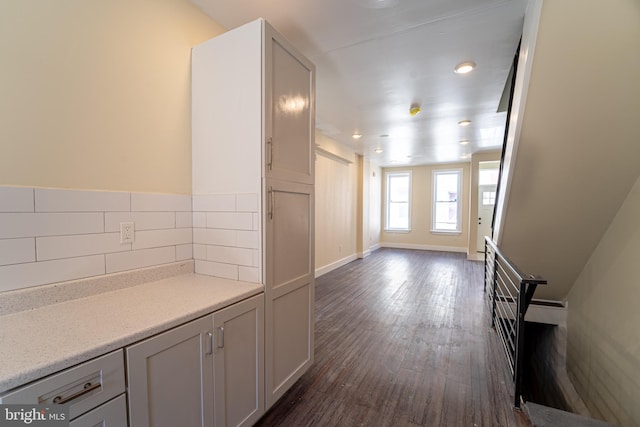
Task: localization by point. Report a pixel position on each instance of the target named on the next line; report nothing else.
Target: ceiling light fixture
(465, 67)
(414, 110)
(464, 142)
(356, 136)
(464, 123)
(378, 150)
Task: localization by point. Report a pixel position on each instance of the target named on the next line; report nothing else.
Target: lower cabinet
(239, 363)
(204, 373)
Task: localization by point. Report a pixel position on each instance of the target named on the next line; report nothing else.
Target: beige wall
(96, 94)
(578, 149)
(336, 214)
(420, 236)
(603, 348)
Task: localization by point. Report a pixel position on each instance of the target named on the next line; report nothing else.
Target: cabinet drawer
(82, 387)
(111, 414)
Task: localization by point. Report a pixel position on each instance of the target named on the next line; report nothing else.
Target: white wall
(578, 148)
(97, 94)
(336, 215)
(603, 338)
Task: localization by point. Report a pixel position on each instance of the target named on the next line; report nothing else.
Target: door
(487, 184)
(170, 377)
(486, 202)
(239, 363)
(289, 286)
(289, 111)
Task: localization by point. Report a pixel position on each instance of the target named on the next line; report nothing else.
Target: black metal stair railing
(509, 293)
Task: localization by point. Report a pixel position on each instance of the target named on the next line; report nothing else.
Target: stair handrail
(501, 273)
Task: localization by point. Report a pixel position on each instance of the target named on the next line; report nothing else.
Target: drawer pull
(86, 389)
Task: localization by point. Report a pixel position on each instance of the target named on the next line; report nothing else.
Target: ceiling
(375, 58)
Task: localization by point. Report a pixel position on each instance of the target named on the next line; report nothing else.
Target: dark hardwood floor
(403, 338)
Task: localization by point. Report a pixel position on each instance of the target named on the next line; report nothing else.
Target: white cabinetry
(85, 388)
(253, 132)
(204, 373)
(170, 377)
(239, 363)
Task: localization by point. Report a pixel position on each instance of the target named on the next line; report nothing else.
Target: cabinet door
(289, 287)
(239, 363)
(171, 377)
(289, 111)
(111, 414)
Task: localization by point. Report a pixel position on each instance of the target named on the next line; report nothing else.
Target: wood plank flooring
(403, 338)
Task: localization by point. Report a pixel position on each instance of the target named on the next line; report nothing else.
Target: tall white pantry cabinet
(253, 109)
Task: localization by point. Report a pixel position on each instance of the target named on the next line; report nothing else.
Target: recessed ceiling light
(356, 136)
(378, 150)
(465, 156)
(464, 122)
(465, 67)
(464, 141)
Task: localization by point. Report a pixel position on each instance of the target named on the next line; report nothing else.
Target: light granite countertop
(38, 342)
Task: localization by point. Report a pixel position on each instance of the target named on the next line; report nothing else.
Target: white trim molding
(337, 264)
(423, 247)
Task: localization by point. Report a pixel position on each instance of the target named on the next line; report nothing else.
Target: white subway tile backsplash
(248, 239)
(48, 248)
(17, 251)
(142, 220)
(199, 251)
(48, 200)
(208, 236)
(184, 252)
(130, 260)
(184, 220)
(52, 235)
(229, 255)
(16, 199)
(247, 203)
(214, 203)
(19, 276)
(13, 225)
(230, 220)
(216, 269)
(160, 202)
(249, 274)
(158, 238)
(200, 219)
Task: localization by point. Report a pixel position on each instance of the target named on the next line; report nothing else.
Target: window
(488, 198)
(446, 201)
(397, 203)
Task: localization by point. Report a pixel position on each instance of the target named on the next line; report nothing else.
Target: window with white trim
(447, 191)
(397, 212)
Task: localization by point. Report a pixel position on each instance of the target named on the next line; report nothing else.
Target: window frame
(387, 201)
(436, 172)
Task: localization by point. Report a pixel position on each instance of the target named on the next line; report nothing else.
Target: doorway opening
(487, 186)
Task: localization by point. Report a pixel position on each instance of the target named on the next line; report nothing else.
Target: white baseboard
(478, 256)
(374, 247)
(364, 254)
(423, 247)
(337, 264)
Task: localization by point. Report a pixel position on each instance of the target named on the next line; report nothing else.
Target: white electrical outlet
(126, 232)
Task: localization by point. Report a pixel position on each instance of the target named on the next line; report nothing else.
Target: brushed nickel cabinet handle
(221, 337)
(86, 389)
